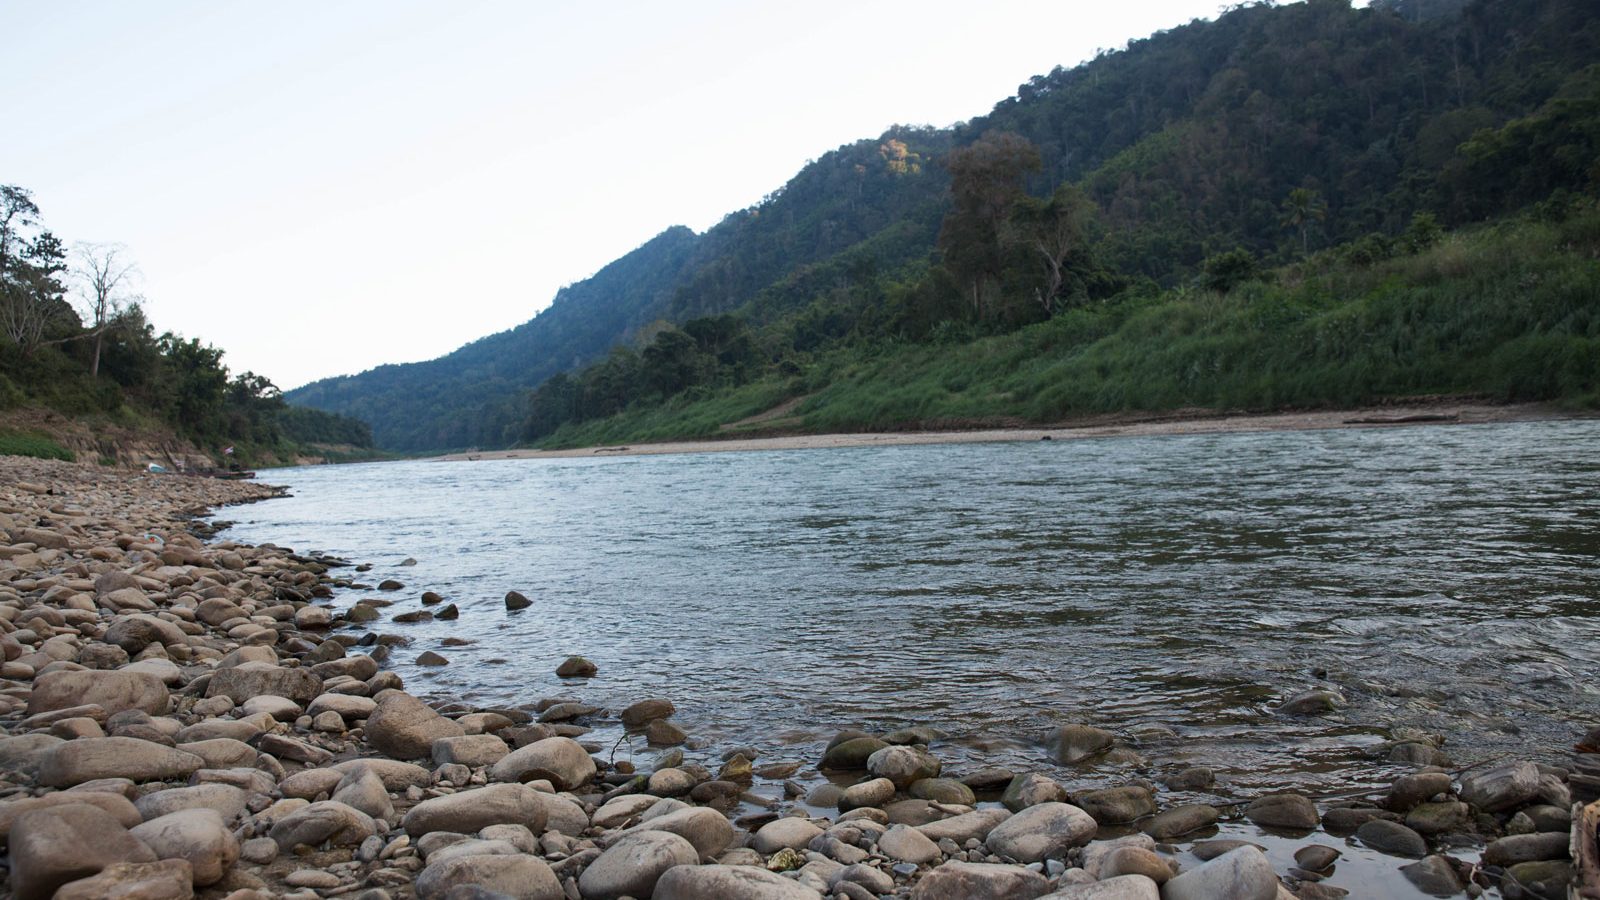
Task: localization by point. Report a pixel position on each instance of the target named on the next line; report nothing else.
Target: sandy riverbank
(1190, 421)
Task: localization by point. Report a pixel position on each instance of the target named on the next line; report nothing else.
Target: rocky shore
(183, 718)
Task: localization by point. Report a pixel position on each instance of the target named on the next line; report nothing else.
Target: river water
(1172, 589)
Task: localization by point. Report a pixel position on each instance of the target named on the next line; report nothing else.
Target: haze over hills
(1256, 140)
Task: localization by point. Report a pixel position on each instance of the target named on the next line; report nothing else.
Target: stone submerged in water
(1072, 744)
(576, 667)
(641, 713)
(1181, 820)
(1392, 838)
(1287, 811)
(515, 600)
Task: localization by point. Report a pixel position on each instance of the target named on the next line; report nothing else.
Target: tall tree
(1050, 232)
(1302, 207)
(104, 276)
(32, 296)
(986, 180)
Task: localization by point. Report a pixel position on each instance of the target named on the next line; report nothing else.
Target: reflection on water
(1440, 577)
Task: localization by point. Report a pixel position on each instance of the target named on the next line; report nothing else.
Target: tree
(1050, 232)
(986, 180)
(32, 297)
(17, 212)
(1302, 207)
(103, 277)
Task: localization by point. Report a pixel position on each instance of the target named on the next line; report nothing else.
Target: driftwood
(1585, 853)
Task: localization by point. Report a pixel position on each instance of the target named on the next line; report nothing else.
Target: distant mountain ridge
(1187, 142)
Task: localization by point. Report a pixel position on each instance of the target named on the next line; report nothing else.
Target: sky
(321, 187)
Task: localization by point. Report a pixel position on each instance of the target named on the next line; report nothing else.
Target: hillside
(84, 373)
(1261, 138)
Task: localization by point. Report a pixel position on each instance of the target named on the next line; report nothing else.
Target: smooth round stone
(789, 832)
(632, 866)
(906, 844)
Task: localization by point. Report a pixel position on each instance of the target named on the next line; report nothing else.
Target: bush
(27, 443)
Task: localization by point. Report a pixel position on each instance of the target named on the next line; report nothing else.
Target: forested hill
(1253, 140)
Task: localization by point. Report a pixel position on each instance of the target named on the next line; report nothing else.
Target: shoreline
(207, 703)
(1180, 422)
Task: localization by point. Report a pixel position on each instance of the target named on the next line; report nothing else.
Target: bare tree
(103, 275)
(1051, 231)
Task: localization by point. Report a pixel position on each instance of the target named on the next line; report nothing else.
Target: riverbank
(1120, 425)
(222, 708)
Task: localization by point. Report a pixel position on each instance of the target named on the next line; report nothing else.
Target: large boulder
(395, 775)
(1031, 789)
(115, 804)
(470, 750)
(646, 711)
(514, 877)
(404, 727)
(225, 799)
(980, 881)
(1043, 831)
(631, 866)
(51, 847)
(903, 765)
(136, 632)
(707, 830)
(468, 812)
(113, 690)
(1292, 812)
(1116, 806)
(168, 879)
(561, 760)
(1502, 787)
(88, 759)
(1243, 873)
(729, 883)
(906, 844)
(197, 835)
(789, 832)
(241, 682)
(1120, 887)
(23, 752)
(327, 820)
(975, 825)
(362, 789)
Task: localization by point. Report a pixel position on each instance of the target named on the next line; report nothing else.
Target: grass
(28, 443)
(1509, 312)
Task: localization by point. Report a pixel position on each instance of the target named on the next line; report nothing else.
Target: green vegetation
(26, 443)
(103, 361)
(1506, 312)
(1097, 242)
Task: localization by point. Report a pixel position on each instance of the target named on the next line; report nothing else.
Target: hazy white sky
(322, 187)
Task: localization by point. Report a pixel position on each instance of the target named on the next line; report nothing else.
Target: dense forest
(74, 339)
(1287, 205)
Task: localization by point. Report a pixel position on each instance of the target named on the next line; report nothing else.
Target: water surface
(1178, 588)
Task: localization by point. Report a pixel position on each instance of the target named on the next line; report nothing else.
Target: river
(1172, 589)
